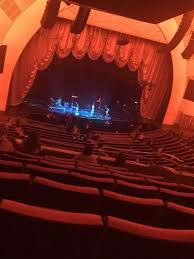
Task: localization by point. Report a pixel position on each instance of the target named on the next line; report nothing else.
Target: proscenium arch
(22, 31)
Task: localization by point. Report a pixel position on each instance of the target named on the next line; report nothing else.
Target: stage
(99, 119)
(93, 110)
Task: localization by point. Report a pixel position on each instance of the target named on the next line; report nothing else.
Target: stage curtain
(154, 68)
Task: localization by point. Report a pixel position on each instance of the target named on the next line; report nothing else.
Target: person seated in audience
(75, 132)
(18, 129)
(120, 160)
(95, 139)
(140, 136)
(151, 143)
(160, 149)
(5, 144)
(8, 124)
(32, 144)
(50, 116)
(100, 148)
(86, 155)
(134, 134)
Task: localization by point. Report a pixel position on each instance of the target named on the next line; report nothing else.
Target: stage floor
(82, 113)
(101, 120)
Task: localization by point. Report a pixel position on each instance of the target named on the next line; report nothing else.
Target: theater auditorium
(97, 129)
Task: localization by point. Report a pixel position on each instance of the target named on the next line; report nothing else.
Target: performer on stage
(92, 110)
(107, 116)
(52, 102)
(65, 106)
(76, 109)
(58, 103)
(74, 99)
(98, 104)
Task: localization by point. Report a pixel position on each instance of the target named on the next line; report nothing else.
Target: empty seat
(91, 181)
(56, 164)
(34, 232)
(10, 166)
(127, 239)
(128, 178)
(182, 198)
(46, 172)
(15, 186)
(168, 185)
(137, 190)
(152, 212)
(91, 171)
(145, 211)
(51, 194)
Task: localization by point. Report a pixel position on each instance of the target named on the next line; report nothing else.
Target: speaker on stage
(80, 21)
(2, 57)
(50, 14)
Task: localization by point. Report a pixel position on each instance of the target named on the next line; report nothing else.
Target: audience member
(32, 144)
(75, 132)
(86, 155)
(18, 129)
(5, 144)
(8, 124)
(135, 134)
(120, 160)
(160, 149)
(95, 139)
(100, 148)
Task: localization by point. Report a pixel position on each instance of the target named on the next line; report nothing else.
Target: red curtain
(154, 68)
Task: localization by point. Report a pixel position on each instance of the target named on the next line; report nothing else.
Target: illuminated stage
(102, 118)
(94, 111)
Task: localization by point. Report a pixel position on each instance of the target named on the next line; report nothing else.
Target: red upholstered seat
(127, 239)
(168, 185)
(152, 212)
(51, 194)
(34, 232)
(137, 190)
(9, 165)
(86, 180)
(182, 198)
(156, 177)
(133, 179)
(56, 165)
(93, 171)
(15, 186)
(50, 173)
(186, 188)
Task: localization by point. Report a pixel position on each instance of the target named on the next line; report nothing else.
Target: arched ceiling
(10, 10)
(151, 11)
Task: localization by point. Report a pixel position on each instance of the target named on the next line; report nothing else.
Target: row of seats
(18, 185)
(172, 143)
(29, 163)
(35, 232)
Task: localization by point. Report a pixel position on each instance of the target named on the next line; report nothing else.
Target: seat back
(34, 232)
